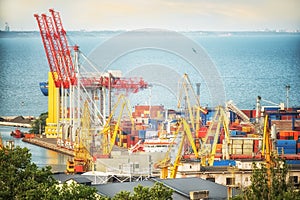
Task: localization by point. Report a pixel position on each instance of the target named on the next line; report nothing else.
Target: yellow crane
(83, 160)
(189, 92)
(267, 148)
(186, 135)
(214, 129)
(109, 132)
(206, 154)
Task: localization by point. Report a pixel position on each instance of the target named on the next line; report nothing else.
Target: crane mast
(61, 34)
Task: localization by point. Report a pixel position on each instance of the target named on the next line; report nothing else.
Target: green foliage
(21, 179)
(279, 188)
(156, 192)
(38, 125)
(72, 191)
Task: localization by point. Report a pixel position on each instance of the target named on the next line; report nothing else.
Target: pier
(49, 143)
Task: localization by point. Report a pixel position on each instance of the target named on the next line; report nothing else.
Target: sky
(177, 15)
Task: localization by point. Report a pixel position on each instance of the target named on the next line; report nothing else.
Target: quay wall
(49, 143)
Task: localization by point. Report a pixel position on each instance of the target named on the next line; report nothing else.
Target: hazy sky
(166, 14)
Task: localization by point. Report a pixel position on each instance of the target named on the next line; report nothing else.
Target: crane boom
(185, 87)
(69, 67)
(235, 109)
(165, 163)
(107, 144)
(49, 50)
(218, 120)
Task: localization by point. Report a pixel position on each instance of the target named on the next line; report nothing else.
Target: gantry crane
(267, 148)
(71, 90)
(64, 103)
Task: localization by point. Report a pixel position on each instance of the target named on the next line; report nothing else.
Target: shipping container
(246, 129)
(237, 133)
(142, 134)
(224, 163)
(286, 143)
(237, 142)
(247, 151)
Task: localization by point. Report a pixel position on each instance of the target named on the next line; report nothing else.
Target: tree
(273, 186)
(156, 192)
(21, 179)
(38, 125)
(72, 191)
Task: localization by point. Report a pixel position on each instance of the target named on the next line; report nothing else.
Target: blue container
(293, 162)
(289, 151)
(233, 133)
(237, 133)
(289, 144)
(153, 124)
(142, 134)
(224, 163)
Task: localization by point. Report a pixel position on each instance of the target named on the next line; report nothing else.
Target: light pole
(287, 87)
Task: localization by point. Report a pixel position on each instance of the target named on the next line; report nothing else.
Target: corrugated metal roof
(61, 177)
(185, 185)
(111, 189)
(181, 187)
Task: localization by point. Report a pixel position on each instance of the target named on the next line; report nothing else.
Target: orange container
(284, 135)
(29, 135)
(219, 148)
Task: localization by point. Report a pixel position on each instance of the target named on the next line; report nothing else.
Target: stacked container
(286, 146)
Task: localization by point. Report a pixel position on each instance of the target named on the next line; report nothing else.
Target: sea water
(249, 64)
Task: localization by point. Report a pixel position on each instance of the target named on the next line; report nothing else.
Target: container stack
(241, 147)
(288, 142)
(286, 146)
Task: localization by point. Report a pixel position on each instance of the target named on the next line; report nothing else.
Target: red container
(255, 146)
(202, 132)
(296, 135)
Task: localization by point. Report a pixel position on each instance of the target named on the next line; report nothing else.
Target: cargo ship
(44, 88)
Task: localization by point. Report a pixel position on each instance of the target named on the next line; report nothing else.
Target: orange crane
(50, 47)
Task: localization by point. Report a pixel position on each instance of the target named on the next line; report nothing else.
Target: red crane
(49, 50)
(60, 60)
(70, 68)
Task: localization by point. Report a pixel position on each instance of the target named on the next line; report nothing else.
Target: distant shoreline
(202, 32)
(16, 121)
